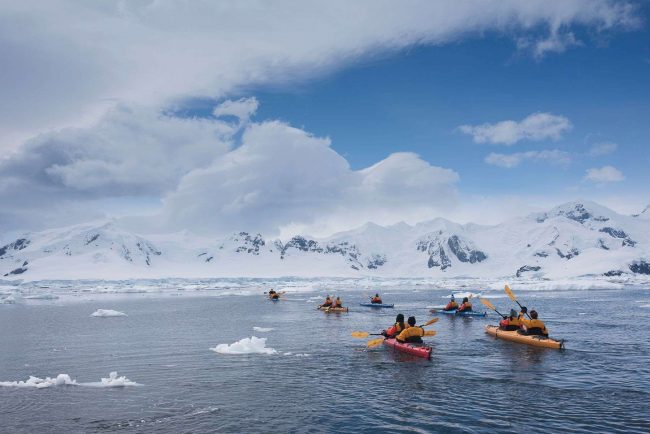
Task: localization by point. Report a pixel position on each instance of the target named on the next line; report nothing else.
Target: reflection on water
(473, 382)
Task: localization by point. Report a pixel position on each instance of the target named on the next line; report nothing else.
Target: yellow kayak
(333, 309)
(514, 336)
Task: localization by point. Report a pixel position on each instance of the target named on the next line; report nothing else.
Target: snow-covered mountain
(572, 240)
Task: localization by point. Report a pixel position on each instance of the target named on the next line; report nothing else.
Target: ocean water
(320, 379)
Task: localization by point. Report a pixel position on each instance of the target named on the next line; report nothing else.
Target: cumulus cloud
(131, 151)
(281, 175)
(509, 161)
(605, 174)
(600, 149)
(79, 57)
(537, 126)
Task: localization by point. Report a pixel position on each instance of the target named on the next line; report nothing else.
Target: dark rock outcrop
(640, 267)
(526, 268)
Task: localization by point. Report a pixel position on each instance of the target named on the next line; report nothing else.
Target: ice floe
(263, 329)
(64, 380)
(105, 313)
(252, 345)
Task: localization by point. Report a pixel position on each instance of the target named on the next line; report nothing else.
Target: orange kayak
(514, 336)
(333, 309)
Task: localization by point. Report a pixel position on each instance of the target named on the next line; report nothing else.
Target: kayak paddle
(487, 303)
(364, 334)
(513, 298)
(373, 343)
(430, 322)
(430, 333)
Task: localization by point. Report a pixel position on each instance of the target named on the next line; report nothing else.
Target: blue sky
(289, 117)
(414, 101)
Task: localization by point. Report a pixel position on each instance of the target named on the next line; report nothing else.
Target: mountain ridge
(574, 239)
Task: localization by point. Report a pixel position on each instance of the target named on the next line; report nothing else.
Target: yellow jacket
(410, 332)
(535, 323)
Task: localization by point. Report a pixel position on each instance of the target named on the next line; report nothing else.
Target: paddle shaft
(520, 306)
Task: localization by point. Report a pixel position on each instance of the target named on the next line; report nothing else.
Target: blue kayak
(455, 313)
(376, 305)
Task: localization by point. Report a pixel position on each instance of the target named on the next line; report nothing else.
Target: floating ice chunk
(263, 329)
(40, 383)
(644, 305)
(105, 313)
(64, 379)
(297, 354)
(112, 381)
(252, 345)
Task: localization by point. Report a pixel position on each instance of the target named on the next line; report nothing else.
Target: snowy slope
(572, 240)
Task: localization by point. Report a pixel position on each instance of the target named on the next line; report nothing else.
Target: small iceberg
(263, 329)
(64, 380)
(105, 313)
(40, 383)
(112, 381)
(252, 345)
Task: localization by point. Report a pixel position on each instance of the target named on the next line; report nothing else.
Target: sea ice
(104, 313)
(263, 329)
(252, 345)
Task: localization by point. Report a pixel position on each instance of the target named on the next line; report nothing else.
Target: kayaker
(273, 295)
(534, 326)
(412, 334)
(452, 305)
(328, 302)
(376, 299)
(337, 303)
(396, 329)
(466, 306)
(511, 322)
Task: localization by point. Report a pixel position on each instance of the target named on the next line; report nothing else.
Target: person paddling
(466, 306)
(396, 328)
(273, 295)
(511, 322)
(337, 303)
(327, 303)
(376, 299)
(452, 305)
(412, 334)
(534, 326)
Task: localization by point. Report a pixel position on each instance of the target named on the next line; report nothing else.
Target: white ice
(112, 381)
(263, 329)
(252, 345)
(104, 313)
(64, 379)
(40, 383)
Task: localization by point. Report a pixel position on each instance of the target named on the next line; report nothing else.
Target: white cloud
(605, 174)
(282, 176)
(509, 161)
(555, 42)
(537, 126)
(78, 57)
(600, 149)
(242, 109)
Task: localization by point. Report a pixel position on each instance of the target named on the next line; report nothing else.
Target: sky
(315, 117)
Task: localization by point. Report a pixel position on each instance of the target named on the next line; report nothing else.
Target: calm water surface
(473, 383)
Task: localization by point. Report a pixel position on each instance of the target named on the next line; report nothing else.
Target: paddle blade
(373, 343)
(360, 334)
(429, 333)
(510, 294)
(487, 303)
(431, 322)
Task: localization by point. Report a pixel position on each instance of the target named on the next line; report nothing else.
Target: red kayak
(413, 349)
